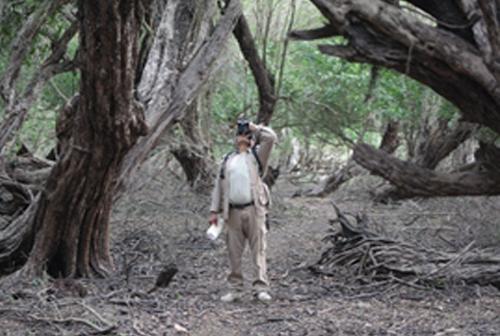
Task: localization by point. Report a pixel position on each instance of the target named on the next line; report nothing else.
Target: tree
(450, 46)
(102, 132)
(172, 76)
(73, 213)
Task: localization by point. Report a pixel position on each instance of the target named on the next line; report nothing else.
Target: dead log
(415, 181)
(369, 256)
(437, 142)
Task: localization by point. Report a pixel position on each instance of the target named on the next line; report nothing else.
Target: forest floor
(163, 223)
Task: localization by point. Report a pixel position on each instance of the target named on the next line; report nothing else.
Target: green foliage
(39, 127)
(325, 103)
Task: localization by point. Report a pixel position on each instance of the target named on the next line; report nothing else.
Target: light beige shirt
(240, 190)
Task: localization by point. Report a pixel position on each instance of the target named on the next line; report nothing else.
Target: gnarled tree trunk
(72, 217)
(100, 131)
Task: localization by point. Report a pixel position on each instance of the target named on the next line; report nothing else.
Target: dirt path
(153, 228)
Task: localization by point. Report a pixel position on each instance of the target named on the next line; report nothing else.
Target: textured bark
(413, 180)
(98, 130)
(192, 152)
(458, 69)
(72, 218)
(166, 90)
(389, 144)
(264, 79)
(436, 145)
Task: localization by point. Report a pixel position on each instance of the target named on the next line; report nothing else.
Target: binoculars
(243, 126)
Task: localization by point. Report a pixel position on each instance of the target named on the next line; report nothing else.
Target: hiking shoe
(230, 297)
(264, 297)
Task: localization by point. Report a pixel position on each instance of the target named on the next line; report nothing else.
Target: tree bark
(435, 145)
(98, 132)
(264, 79)
(72, 218)
(192, 152)
(166, 91)
(482, 179)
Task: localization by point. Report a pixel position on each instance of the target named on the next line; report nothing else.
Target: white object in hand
(214, 230)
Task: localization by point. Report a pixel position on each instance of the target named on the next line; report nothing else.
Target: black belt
(240, 206)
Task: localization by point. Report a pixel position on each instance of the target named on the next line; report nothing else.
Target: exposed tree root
(369, 256)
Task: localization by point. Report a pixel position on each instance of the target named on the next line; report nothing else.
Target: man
(243, 200)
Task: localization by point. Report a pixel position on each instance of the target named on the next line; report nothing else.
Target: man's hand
(213, 218)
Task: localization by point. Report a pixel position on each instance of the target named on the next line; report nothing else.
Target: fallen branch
(367, 256)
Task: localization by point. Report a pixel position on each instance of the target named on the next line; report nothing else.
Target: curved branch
(383, 34)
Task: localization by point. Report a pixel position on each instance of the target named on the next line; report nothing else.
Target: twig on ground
(70, 320)
(452, 261)
(96, 314)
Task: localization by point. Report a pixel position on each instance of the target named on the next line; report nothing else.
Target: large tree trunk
(174, 75)
(72, 218)
(105, 123)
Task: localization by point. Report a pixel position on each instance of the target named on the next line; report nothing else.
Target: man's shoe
(264, 297)
(230, 297)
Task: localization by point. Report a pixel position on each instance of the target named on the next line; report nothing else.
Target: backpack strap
(221, 173)
(254, 151)
(223, 165)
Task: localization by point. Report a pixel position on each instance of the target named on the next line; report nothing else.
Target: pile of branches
(368, 256)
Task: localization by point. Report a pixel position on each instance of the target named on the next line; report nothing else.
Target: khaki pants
(242, 225)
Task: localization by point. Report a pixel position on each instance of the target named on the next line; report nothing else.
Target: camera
(243, 126)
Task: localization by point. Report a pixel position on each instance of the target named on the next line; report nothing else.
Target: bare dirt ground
(163, 223)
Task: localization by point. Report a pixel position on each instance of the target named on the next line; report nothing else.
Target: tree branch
(489, 11)
(382, 34)
(186, 86)
(416, 181)
(264, 79)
